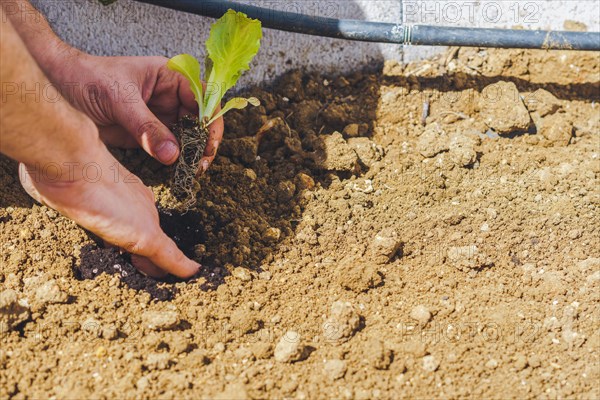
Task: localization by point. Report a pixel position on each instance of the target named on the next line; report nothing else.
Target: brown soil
(443, 244)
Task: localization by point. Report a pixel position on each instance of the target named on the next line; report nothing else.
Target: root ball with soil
(192, 137)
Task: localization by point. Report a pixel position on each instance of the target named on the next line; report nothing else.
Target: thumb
(152, 135)
(166, 256)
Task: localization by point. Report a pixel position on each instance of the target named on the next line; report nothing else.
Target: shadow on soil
(252, 196)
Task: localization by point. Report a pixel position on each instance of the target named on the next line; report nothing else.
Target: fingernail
(166, 152)
(197, 272)
(205, 164)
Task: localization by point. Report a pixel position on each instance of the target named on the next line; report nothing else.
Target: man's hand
(133, 100)
(52, 136)
(117, 207)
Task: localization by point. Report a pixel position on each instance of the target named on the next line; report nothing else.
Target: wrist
(62, 64)
(68, 160)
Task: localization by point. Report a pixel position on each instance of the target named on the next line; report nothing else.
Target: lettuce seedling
(233, 42)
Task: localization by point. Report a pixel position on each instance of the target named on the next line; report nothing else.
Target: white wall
(132, 28)
(528, 14)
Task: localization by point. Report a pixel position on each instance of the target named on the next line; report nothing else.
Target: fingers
(149, 132)
(27, 182)
(141, 263)
(146, 267)
(160, 258)
(167, 256)
(215, 136)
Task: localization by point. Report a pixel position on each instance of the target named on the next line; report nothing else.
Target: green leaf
(208, 66)
(233, 42)
(189, 67)
(236, 102)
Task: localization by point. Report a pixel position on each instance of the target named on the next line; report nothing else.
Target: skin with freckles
(120, 101)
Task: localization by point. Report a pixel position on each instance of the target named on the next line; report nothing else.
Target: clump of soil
(192, 142)
(433, 247)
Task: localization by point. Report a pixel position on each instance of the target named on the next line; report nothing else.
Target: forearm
(35, 127)
(49, 51)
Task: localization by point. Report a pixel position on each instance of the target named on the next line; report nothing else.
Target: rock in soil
(556, 129)
(351, 130)
(335, 369)
(385, 245)
(158, 361)
(467, 257)
(433, 141)
(421, 314)
(542, 102)
(368, 152)
(503, 110)
(337, 155)
(50, 293)
(430, 363)
(290, 348)
(262, 350)
(462, 149)
(160, 320)
(342, 323)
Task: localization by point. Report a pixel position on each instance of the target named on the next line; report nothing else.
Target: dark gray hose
(393, 33)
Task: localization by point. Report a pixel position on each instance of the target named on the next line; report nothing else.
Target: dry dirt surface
(425, 231)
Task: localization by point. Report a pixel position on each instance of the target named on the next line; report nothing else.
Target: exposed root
(192, 141)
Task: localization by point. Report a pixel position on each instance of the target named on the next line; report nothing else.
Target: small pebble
(158, 361)
(304, 181)
(290, 348)
(250, 174)
(420, 313)
(110, 333)
(160, 320)
(262, 350)
(142, 383)
(430, 364)
(520, 362)
(272, 234)
(101, 352)
(534, 361)
(242, 274)
(385, 245)
(50, 293)
(342, 323)
(335, 369)
(265, 275)
(377, 355)
(351, 130)
(219, 347)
